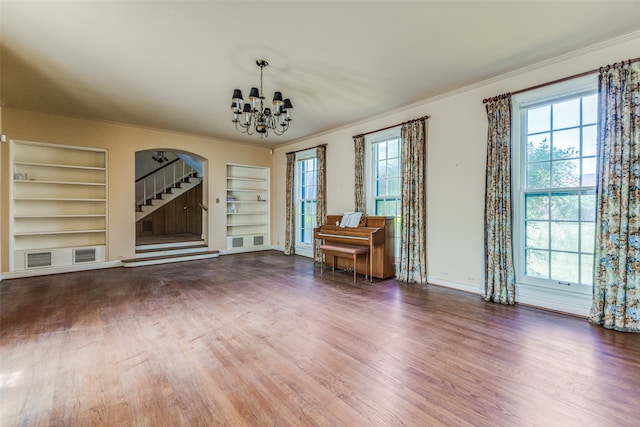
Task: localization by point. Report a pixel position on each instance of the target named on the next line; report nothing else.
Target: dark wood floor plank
(263, 339)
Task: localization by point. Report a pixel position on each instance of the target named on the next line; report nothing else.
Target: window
(384, 174)
(306, 178)
(555, 178)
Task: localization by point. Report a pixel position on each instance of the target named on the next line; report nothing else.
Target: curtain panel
(616, 292)
(290, 226)
(498, 221)
(321, 193)
(360, 204)
(413, 242)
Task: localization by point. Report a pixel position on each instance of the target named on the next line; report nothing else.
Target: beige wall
(122, 142)
(455, 166)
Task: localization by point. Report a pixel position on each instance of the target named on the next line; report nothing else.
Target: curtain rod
(564, 79)
(392, 126)
(305, 149)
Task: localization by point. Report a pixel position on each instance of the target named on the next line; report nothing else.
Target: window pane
(538, 175)
(393, 167)
(588, 207)
(566, 114)
(537, 263)
(586, 269)
(394, 186)
(590, 109)
(381, 187)
(589, 140)
(382, 170)
(538, 119)
(381, 149)
(589, 172)
(305, 184)
(564, 236)
(393, 148)
(566, 144)
(564, 267)
(536, 206)
(566, 173)
(587, 237)
(537, 234)
(538, 147)
(308, 236)
(564, 206)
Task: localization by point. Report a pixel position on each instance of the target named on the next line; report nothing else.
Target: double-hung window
(306, 179)
(383, 160)
(555, 149)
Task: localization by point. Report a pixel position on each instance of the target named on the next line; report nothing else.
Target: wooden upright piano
(376, 232)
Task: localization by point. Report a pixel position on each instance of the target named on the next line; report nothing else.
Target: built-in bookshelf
(59, 205)
(247, 207)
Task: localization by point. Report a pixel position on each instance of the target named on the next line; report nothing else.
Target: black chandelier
(250, 119)
(160, 157)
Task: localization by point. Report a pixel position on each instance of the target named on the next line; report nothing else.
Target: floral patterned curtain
(360, 205)
(498, 250)
(290, 230)
(616, 291)
(321, 194)
(413, 242)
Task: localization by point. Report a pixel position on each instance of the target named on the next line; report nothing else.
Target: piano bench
(345, 251)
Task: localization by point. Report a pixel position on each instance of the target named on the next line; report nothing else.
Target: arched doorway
(170, 201)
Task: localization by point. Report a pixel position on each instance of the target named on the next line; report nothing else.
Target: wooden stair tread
(171, 256)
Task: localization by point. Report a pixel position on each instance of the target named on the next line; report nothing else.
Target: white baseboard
(58, 270)
(466, 287)
(246, 249)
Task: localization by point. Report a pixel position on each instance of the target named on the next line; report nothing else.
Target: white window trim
(571, 299)
(303, 249)
(369, 161)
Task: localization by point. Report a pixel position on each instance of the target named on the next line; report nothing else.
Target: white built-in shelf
(58, 203)
(241, 178)
(62, 166)
(33, 181)
(245, 184)
(55, 199)
(244, 213)
(60, 216)
(47, 233)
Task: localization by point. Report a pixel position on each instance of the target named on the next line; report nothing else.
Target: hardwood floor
(261, 339)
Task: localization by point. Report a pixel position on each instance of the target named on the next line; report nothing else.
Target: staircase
(155, 190)
(164, 253)
(159, 187)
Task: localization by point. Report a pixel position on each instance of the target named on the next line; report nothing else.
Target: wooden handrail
(156, 170)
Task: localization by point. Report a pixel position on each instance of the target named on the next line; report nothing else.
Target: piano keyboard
(342, 236)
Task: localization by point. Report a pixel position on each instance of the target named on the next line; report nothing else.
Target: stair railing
(157, 179)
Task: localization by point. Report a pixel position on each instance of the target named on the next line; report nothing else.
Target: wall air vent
(39, 259)
(237, 242)
(84, 255)
(258, 240)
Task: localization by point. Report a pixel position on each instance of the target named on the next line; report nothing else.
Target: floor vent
(237, 242)
(84, 255)
(39, 259)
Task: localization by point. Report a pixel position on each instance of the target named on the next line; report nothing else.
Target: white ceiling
(174, 64)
